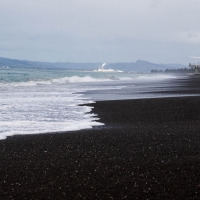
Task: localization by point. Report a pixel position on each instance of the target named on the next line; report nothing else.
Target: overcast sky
(159, 31)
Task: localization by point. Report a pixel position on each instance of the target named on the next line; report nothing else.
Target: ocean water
(34, 101)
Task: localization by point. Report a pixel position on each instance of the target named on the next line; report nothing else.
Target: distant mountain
(138, 66)
(14, 63)
(144, 66)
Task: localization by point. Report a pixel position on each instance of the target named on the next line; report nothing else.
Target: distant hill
(138, 66)
(14, 63)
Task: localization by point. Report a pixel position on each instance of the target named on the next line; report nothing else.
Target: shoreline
(148, 148)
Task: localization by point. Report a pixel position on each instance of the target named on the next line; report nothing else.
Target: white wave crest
(89, 79)
(72, 79)
(77, 79)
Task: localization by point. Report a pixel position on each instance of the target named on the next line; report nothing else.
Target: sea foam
(37, 101)
(44, 112)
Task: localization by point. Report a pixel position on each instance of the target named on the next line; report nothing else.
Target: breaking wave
(90, 79)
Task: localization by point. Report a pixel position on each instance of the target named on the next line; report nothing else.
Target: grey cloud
(88, 30)
(155, 3)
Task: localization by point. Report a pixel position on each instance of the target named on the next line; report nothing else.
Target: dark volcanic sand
(148, 149)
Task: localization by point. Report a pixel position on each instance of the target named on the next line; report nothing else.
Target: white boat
(101, 69)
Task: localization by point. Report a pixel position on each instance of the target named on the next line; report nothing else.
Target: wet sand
(148, 149)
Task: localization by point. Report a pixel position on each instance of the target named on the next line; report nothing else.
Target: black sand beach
(148, 149)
